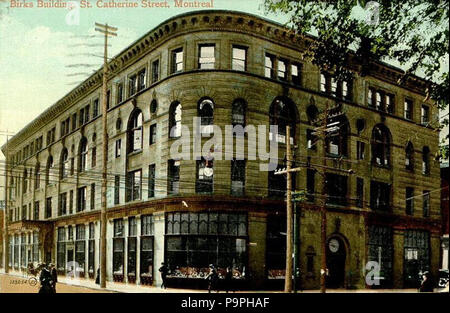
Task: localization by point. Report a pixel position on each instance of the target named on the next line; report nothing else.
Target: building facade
(229, 68)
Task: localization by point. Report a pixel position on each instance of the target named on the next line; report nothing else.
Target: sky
(43, 50)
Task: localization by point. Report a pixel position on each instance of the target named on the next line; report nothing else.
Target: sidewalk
(132, 288)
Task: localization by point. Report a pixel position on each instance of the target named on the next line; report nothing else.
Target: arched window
(135, 131)
(409, 156)
(83, 155)
(426, 160)
(64, 163)
(49, 168)
(337, 137)
(282, 113)
(206, 114)
(175, 113)
(238, 113)
(381, 145)
(37, 176)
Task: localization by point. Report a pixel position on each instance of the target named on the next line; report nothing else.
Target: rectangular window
(118, 147)
(62, 204)
(177, 60)
(310, 184)
(152, 134)
(119, 93)
(155, 71)
(116, 189)
(71, 202)
(94, 157)
(360, 150)
(359, 192)
(370, 97)
(239, 59)
(133, 185)
(380, 196)
(426, 203)
(146, 250)
(36, 211)
(86, 113)
(378, 101)
(295, 74)
(48, 207)
(336, 186)
(93, 196)
(95, 108)
(282, 69)
(81, 199)
(142, 78)
(74, 121)
(409, 199)
(425, 115)
(205, 176)
(108, 98)
(151, 181)
(390, 103)
(311, 139)
(237, 177)
(173, 176)
(81, 118)
(269, 64)
(334, 86)
(132, 85)
(408, 109)
(206, 57)
(323, 83)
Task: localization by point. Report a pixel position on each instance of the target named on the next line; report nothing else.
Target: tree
(413, 33)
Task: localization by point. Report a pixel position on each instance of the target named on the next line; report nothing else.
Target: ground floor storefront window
(416, 256)
(80, 248)
(91, 251)
(146, 253)
(381, 251)
(11, 248)
(196, 240)
(23, 253)
(132, 251)
(35, 247)
(276, 247)
(118, 251)
(16, 251)
(61, 251)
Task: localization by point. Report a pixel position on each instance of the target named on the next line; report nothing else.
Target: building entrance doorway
(336, 255)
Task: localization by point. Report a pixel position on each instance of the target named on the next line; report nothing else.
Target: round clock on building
(333, 245)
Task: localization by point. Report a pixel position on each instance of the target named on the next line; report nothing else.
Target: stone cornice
(210, 20)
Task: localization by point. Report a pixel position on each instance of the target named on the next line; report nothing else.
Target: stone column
(86, 250)
(257, 226)
(398, 258)
(158, 248)
(138, 250)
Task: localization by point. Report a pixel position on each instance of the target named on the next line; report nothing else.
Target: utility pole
(289, 250)
(323, 215)
(107, 31)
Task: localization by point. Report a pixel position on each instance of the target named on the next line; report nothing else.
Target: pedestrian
(228, 279)
(163, 270)
(212, 278)
(427, 283)
(45, 279)
(97, 279)
(54, 275)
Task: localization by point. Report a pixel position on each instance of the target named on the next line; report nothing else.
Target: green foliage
(414, 33)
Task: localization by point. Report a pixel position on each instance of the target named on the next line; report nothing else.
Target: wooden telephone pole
(322, 132)
(107, 31)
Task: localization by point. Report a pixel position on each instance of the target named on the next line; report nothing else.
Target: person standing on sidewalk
(212, 279)
(45, 279)
(54, 275)
(163, 270)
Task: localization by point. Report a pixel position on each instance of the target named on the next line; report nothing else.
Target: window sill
(134, 153)
(387, 167)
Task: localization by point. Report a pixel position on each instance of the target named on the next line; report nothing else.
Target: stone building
(229, 68)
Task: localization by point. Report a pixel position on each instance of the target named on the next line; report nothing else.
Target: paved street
(17, 283)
